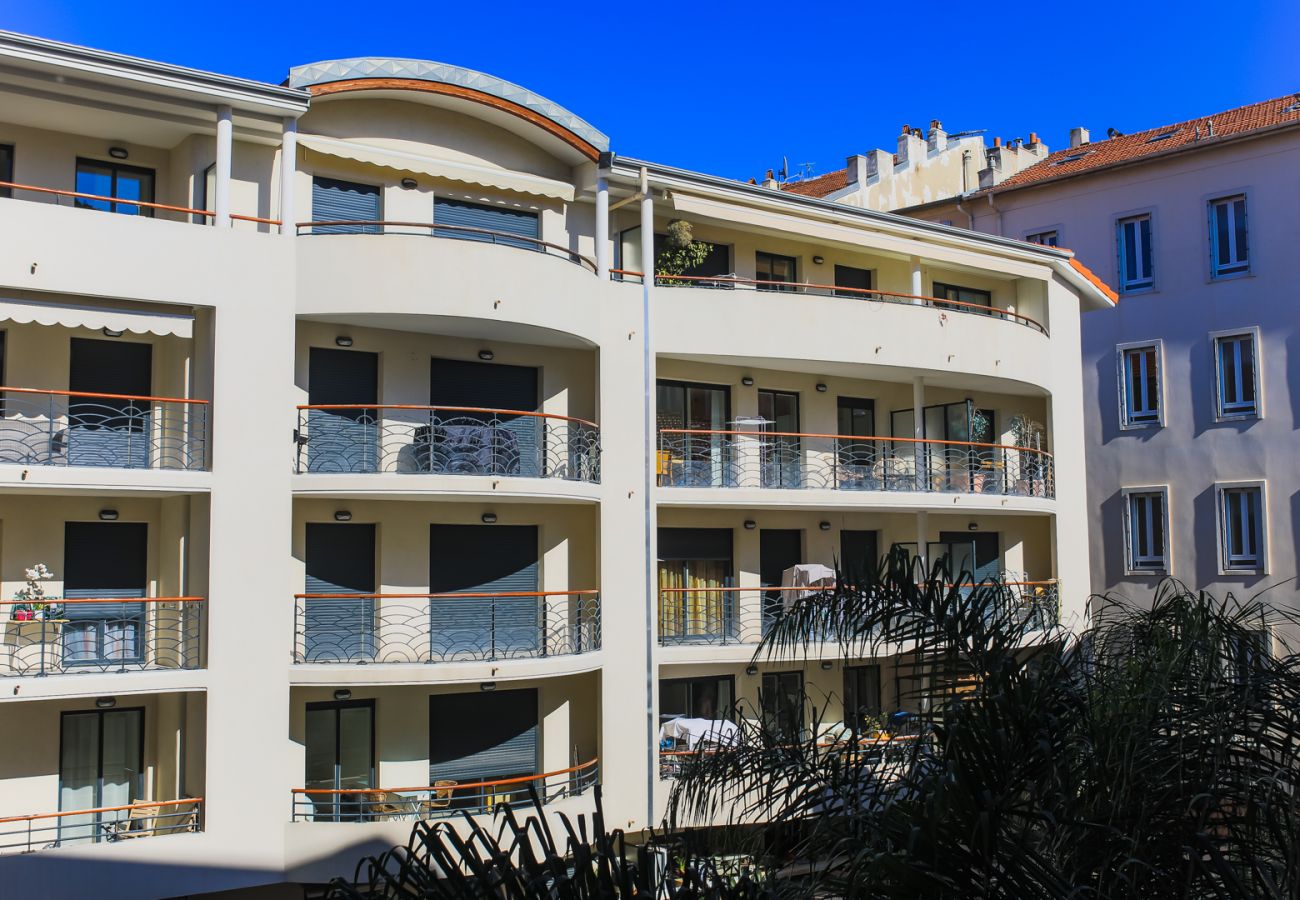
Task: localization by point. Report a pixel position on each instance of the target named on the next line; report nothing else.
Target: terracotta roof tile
(1092, 277)
(819, 186)
(1182, 135)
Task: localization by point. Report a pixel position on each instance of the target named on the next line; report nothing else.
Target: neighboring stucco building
(1190, 382)
(376, 482)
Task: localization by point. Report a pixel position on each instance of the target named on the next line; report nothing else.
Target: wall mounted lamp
(108, 515)
(343, 515)
(342, 694)
(489, 518)
(118, 152)
(486, 355)
(343, 340)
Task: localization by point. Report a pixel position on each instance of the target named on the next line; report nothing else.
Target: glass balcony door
(340, 755)
(782, 453)
(101, 764)
(105, 561)
(701, 457)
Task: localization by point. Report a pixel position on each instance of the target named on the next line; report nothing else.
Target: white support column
(288, 174)
(918, 288)
(918, 432)
(225, 141)
(923, 538)
(648, 423)
(602, 228)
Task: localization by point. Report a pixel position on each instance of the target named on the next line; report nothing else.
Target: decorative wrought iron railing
(45, 831)
(455, 232)
(91, 634)
(790, 460)
(443, 798)
(673, 758)
(125, 205)
(718, 616)
(120, 431)
(735, 282)
(446, 440)
(436, 628)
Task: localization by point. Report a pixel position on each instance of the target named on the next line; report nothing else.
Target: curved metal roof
(441, 73)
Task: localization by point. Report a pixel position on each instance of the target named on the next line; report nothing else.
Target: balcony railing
(720, 616)
(790, 460)
(126, 205)
(735, 282)
(446, 440)
(45, 831)
(441, 799)
(119, 431)
(454, 232)
(89, 634)
(437, 628)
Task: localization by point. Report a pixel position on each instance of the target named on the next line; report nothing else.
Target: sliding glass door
(693, 451)
(101, 765)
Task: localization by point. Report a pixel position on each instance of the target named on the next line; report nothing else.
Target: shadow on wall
(1108, 406)
(1292, 345)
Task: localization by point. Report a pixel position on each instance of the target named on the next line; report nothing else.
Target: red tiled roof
(1092, 277)
(819, 186)
(1180, 136)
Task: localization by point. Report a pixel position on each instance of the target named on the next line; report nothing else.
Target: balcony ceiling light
(118, 152)
(486, 355)
(108, 515)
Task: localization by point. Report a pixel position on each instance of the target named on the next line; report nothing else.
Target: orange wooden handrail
(627, 272)
(43, 391)
(859, 438)
(810, 588)
(588, 593)
(469, 409)
(125, 202)
(258, 219)
(538, 242)
(457, 787)
(861, 742)
(59, 601)
(100, 809)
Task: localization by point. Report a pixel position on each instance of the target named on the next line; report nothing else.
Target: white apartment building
(1190, 414)
(376, 483)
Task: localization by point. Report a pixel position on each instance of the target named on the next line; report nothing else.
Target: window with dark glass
(782, 700)
(968, 297)
(1241, 528)
(121, 182)
(1229, 248)
(1133, 240)
(695, 576)
(773, 268)
(1046, 238)
(697, 698)
(855, 280)
(1140, 385)
(1145, 521)
(1237, 376)
(717, 262)
(861, 697)
(692, 420)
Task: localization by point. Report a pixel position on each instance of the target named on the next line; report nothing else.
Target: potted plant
(33, 602)
(681, 253)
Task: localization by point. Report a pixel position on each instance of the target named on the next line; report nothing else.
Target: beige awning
(468, 173)
(26, 312)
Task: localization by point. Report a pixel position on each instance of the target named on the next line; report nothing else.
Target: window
(1139, 386)
(467, 221)
(115, 180)
(964, 295)
(6, 168)
(695, 602)
(697, 698)
(1134, 242)
(1146, 514)
(1046, 238)
(855, 279)
(861, 698)
(1237, 376)
(1241, 528)
(717, 262)
(1229, 247)
(770, 267)
(782, 700)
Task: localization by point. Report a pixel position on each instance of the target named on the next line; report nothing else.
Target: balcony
(736, 283)
(46, 831)
(440, 628)
(443, 799)
(121, 205)
(118, 431)
(444, 440)
(696, 458)
(728, 616)
(452, 232)
(99, 635)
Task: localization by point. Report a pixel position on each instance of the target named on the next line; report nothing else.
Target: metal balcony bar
(96, 635)
(721, 616)
(790, 460)
(437, 628)
(119, 431)
(734, 282)
(124, 201)
(439, 800)
(456, 232)
(446, 440)
(44, 831)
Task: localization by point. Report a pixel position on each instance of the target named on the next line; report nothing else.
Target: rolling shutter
(488, 218)
(108, 560)
(484, 443)
(695, 543)
(484, 559)
(481, 737)
(340, 560)
(858, 553)
(333, 200)
(103, 431)
(342, 440)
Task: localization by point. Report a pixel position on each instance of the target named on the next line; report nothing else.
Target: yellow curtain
(687, 604)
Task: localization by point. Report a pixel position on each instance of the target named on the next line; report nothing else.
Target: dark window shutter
(484, 443)
(340, 560)
(488, 218)
(108, 560)
(103, 431)
(859, 553)
(484, 559)
(481, 737)
(333, 200)
(695, 543)
(342, 440)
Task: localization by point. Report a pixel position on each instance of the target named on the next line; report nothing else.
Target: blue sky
(731, 90)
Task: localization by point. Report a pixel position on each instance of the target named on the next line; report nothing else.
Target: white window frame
(1149, 565)
(1228, 564)
(1127, 413)
(1225, 411)
(1143, 281)
(1240, 264)
(1054, 230)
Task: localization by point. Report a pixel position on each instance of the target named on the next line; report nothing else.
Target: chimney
(880, 165)
(857, 169)
(1033, 137)
(770, 182)
(937, 139)
(1078, 137)
(997, 142)
(911, 147)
